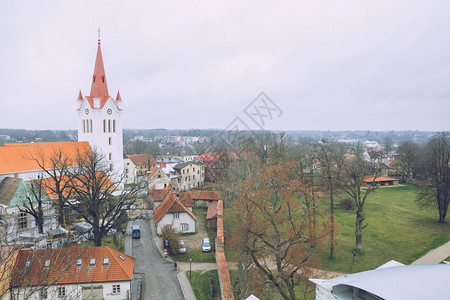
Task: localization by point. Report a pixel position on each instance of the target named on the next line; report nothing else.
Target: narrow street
(159, 278)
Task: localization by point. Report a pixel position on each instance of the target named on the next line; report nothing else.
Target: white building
(72, 273)
(19, 227)
(175, 214)
(390, 281)
(192, 175)
(100, 119)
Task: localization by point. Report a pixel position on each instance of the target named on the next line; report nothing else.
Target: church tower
(99, 119)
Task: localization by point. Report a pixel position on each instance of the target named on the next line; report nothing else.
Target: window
(193, 169)
(79, 261)
(84, 126)
(103, 79)
(159, 176)
(47, 263)
(184, 226)
(90, 125)
(109, 125)
(104, 125)
(61, 292)
(27, 264)
(109, 141)
(116, 289)
(110, 156)
(193, 177)
(114, 125)
(93, 260)
(23, 220)
(183, 171)
(176, 215)
(43, 293)
(110, 167)
(106, 260)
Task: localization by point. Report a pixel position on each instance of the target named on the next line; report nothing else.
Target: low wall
(222, 266)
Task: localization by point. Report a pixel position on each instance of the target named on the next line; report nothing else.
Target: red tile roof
(186, 199)
(142, 159)
(158, 195)
(171, 205)
(99, 88)
(18, 157)
(205, 195)
(62, 267)
(379, 179)
(212, 211)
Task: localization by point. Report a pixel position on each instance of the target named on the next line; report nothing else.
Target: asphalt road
(160, 280)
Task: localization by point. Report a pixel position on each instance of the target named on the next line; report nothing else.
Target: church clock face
(109, 111)
(86, 111)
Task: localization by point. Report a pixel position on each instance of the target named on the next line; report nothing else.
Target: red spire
(80, 97)
(118, 96)
(99, 88)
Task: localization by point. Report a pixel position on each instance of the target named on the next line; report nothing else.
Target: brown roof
(171, 205)
(17, 157)
(205, 195)
(158, 195)
(186, 199)
(379, 179)
(8, 187)
(142, 159)
(63, 269)
(212, 211)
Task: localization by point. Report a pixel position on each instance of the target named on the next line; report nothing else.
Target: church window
(104, 125)
(110, 155)
(109, 125)
(84, 126)
(90, 125)
(110, 141)
(114, 125)
(110, 167)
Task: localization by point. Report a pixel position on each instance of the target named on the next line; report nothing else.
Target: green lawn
(201, 286)
(107, 241)
(398, 228)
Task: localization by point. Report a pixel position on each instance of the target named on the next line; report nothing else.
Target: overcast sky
(325, 65)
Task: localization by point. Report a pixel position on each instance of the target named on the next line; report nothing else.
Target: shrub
(346, 204)
(170, 234)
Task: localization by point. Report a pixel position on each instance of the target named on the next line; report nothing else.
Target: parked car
(182, 247)
(206, 245)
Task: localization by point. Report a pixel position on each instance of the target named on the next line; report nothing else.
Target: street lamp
(190, 267)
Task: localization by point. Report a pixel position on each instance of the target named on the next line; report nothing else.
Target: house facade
(174, 213)
(20, 227)
(192, 175)
(137, 166)
(72, 273)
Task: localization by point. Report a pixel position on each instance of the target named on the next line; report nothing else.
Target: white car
(206, 245)
(182, 247)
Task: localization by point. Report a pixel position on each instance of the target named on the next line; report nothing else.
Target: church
(99, 129)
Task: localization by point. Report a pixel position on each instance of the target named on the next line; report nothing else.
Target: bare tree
(56, 167)
(272, 216)
(407, 159)
(331, 158)
(355, 169)
(97, 194)
(435, 179)
(33, 204)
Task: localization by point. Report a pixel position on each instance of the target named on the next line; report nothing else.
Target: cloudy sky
(325, 65)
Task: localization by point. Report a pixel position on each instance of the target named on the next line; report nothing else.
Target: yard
(398, 228)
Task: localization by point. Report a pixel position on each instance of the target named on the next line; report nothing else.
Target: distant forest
(299, 136)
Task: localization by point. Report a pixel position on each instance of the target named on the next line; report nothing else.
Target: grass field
(398, 228)
(200, 284)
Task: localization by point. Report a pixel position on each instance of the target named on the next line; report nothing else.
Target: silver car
(206, 245)
(182, 247)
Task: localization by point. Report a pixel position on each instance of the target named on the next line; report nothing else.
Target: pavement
(434, 256)
(149, 259)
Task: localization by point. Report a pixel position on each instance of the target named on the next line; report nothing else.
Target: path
(203, 267)
(434, 256)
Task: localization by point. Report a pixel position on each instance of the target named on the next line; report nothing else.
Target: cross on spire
(98, 35)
